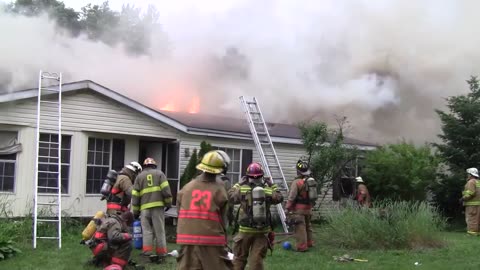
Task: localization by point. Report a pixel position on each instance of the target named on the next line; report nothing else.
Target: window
(7, 172)
(48, 162)
(9, 147)
(240, 158)
(98, 163)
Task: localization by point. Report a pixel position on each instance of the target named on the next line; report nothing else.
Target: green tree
(400, 171)
(459, 148)
(326, 152)
(191, 170)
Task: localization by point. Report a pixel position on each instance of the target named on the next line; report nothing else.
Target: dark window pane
(8, 184)
(98, 158)
(66, 141)
(90, 158)
(53, 152)
(89, 172)
(43, 152)
(65, 156)
(106, 159)
(91, 144)
(246, 160)
(118, 154)
(172, 161)
(44, 137)
(54, 138)
(9, 169)
(106, 146)
(98, 145)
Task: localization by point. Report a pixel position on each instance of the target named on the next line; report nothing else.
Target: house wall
(84, 114)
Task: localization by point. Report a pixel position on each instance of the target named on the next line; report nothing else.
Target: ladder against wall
(265, 148)
(47, 212)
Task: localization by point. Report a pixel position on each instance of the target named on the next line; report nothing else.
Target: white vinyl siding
(88, 111)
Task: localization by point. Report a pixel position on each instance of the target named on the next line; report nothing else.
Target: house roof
(195, 124)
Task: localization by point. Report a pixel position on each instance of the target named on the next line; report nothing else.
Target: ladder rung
(250, 102)
(49, 114)
(47, 237)
(252, 112)
(47, 220)
(49, 89)
(43, 187)
(48, 171)
(49, 203)
(261, 133)
(49, 102)
(50, 77)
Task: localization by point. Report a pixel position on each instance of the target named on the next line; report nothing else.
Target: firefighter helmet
(149, 162)
(473, 172)
(212, 162)
(113, 267)
(359, 179)
(255, 170)
(226, 160)
(137, 166)
(303, 168)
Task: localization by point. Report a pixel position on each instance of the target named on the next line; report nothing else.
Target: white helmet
(473, 172)
(134, 167)
(226, 159)
(359, 179)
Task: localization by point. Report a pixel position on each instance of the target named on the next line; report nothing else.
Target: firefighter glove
(268, 181)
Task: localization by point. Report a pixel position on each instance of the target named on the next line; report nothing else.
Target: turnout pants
(105, 254)
(153, 229)
(472, 217)
(252, 247)
(303, 231)
(203, 258)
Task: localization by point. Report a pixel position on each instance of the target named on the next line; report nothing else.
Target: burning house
(102, 130)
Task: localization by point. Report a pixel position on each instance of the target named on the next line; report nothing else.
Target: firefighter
(363, 196)
(111, 244)
(151, 197)
(255, 194)
(471, 201)
(301, 199)
(226, 182)
(202, 205)
(121, 192)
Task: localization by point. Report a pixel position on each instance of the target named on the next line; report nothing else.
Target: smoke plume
(386, 65)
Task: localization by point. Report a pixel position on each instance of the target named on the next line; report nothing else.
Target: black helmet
(303, 168)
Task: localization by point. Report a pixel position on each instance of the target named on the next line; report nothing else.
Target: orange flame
(194, 106)
(169, 107)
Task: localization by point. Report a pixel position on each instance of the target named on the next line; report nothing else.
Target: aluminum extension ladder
(49, 108)
(265, 149)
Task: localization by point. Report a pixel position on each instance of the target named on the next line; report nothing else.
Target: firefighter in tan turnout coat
(301, 198)
(255, 194)
(471, 201)
(202, 205)
(151, 195)
(121, 193)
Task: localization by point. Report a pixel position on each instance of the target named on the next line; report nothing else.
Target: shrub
(394, 225)
(7, 250)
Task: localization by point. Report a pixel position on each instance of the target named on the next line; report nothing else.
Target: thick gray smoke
(386, 65)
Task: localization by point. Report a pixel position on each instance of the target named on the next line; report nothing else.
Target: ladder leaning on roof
(264, 145)
(48, 166)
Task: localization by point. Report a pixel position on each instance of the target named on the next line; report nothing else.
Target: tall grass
(392, 225)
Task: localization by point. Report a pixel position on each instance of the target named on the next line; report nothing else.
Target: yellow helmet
(212, 162)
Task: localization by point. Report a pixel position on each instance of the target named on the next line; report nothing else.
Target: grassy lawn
(461, 253)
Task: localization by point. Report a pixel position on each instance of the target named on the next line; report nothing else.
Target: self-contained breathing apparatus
(108, 183)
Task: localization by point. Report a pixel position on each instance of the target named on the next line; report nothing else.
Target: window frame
(48, 163)
(87, 192)
(240, 161)
(15, 171)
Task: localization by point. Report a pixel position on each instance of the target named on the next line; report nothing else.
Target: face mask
(256, 181)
